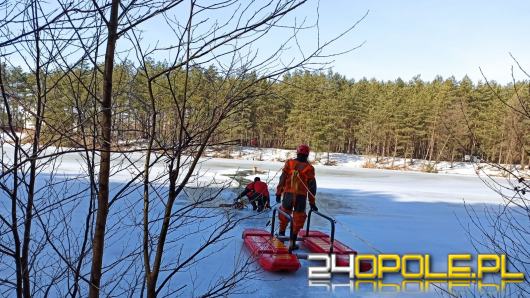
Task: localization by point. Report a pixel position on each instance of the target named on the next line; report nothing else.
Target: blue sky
(405, 38)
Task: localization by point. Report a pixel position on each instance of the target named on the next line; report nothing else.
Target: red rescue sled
(318, 242)
(273, 255)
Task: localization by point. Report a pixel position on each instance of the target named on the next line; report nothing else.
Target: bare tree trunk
(430, 148)
(395, 149)
(150, 281)
(14, 193)
(104, 171)
(452, 156)
(33, 162)
(523, 154)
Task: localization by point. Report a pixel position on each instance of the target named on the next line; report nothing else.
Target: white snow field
(377, 211)
(380, 211)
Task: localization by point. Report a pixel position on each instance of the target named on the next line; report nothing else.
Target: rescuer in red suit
(297, 184)
(257, 193)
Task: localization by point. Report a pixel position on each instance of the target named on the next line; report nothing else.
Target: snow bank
(366, 161)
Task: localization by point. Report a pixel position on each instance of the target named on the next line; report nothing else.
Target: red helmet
(303, 149)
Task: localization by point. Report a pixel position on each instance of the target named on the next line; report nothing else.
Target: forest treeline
(442, 119)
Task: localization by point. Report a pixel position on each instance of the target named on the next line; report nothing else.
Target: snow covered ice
(376, 211)
(381, 211)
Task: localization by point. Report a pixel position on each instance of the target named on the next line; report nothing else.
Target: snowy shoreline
(366, 161)
(336, 160)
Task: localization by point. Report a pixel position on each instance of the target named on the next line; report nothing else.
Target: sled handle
(331, 220)
(289, 218)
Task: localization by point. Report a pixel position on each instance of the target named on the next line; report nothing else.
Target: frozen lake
(380, 211)
(377, 211)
